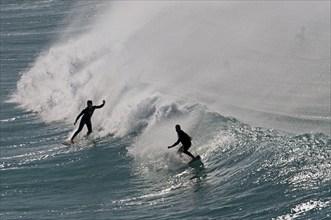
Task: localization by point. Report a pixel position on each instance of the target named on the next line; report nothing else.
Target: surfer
(185, 139)
(86, 119)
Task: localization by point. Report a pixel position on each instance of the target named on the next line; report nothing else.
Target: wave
(152, 79)
(208, 66)
(288, 174)
(170, 52)
(154, 74)
(240, 161)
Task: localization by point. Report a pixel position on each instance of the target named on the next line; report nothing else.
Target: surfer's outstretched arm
(100, 106)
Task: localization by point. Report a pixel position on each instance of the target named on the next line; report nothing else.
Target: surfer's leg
(89, 128)
(185, 151)
(81, 125)
(188, 153)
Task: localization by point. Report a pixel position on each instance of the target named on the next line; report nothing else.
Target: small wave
(304, 208)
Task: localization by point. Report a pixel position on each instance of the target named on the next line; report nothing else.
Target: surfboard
(68, 143)
(82, 141)
(196, 161)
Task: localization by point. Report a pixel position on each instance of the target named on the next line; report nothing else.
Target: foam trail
(241, 59)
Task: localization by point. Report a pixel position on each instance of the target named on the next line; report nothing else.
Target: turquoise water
(255, 100)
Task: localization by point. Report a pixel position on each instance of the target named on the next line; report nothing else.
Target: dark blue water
(264, 139)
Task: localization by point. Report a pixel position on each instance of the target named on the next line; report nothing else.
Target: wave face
(250, 82)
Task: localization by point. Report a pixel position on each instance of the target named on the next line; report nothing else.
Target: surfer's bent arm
(177, 142)
(79, 116)
(100, 106)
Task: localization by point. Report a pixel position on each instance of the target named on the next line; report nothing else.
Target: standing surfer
(86, 119)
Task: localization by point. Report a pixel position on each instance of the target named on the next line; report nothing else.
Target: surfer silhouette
(185, 139)
(86, 119)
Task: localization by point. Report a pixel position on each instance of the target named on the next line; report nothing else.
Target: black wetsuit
(86, 120)
(185, 139)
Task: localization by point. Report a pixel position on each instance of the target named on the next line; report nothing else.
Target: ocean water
(248, 80)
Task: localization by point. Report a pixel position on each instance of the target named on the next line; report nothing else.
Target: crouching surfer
(185, 139)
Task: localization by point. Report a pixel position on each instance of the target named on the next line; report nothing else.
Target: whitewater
(249, 81)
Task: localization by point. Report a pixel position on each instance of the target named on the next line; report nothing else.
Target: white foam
(143, 56)
(301, 209)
